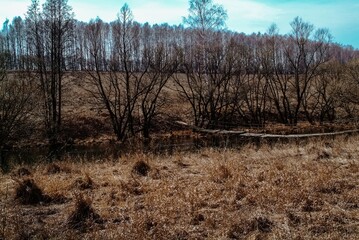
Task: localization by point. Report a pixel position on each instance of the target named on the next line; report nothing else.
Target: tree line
(227, 79)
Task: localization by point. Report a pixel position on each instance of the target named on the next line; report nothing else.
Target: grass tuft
(223, 173)
(239, 230)
(246, 227)
(84, 183)
(325, 154)
(133, 187)
(83, 214)
(294, 220)
(22, 172)
(141, 168)
(54, 168)
(197, 219)
(28, 193)
(264, 224)
(311, 205)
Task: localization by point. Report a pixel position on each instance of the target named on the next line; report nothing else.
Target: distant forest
(227, 79)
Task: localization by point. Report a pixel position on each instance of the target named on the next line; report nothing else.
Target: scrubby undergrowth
(290, 191)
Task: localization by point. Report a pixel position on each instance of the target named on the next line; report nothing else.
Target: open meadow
(117, 129)
(283, 191)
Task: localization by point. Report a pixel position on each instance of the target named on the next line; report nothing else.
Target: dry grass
(293, 191)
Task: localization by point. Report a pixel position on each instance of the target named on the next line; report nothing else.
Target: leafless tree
(291, 66)
(209, 83)
(254, 87)
(49, 32)
(205, 15)
(208, 68)
(349, 88)
(129, 90)
(352, 69)
(103, 85)
(227, 78)
(58, 18)
(161, 68)
(16, 103)
(327, 89)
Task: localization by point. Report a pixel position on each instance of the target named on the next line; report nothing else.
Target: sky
(341, 17)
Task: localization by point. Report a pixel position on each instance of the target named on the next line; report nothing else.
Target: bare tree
(161, 68)
(104, 91)
(275, 68)
(349, 88)
(49, 32)
(326, 92)
(255, 86)
(58, 19)
(5, 44)
(209, 83)
(352, 70)
(207, 67)
(225, 77)
(120, 88)
(205, 15)
(305, 57)
(16, 103)
(292, 64)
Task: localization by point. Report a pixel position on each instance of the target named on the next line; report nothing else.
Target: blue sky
(341, 17)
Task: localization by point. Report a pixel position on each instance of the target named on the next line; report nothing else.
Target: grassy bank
(285, 191)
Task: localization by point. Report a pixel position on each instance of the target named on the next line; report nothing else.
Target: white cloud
(250, 16)
(151, 11)
(155, 12)
(251, 10)
(86, 11)
(11, 9)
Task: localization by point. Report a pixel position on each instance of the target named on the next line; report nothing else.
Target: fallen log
(263, 135)
(210, 131)
(309, 135)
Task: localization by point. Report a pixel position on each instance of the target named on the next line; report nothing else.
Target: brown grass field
(282, 191)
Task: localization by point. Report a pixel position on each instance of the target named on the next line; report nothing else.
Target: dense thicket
(227, 78)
